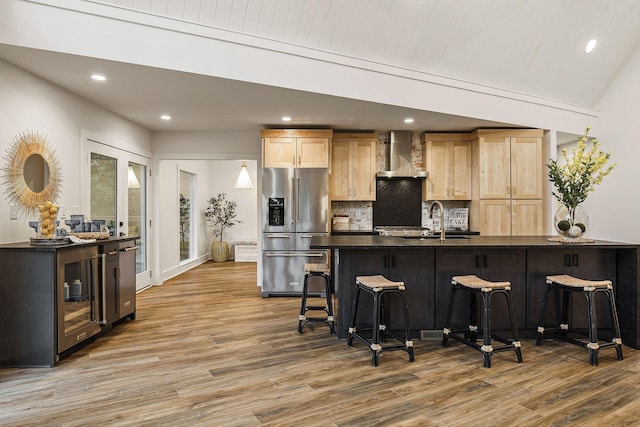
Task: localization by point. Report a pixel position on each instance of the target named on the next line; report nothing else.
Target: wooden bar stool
(378, 287)
(589, 288)
(485, 289)
(316, 270)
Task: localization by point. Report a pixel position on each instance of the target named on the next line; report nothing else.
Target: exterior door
(119, 194)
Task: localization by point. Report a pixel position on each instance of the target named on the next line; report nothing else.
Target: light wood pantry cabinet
(353, 166)
(296, 148)
(448, 161)
(508, 182)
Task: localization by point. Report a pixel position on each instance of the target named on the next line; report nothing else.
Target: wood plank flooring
(207, 350)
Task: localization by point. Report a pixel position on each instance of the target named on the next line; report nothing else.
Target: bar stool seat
(485, 289)
(589, 288)
(378, 286)
(323, 271)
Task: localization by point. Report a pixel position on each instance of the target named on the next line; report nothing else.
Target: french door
(118, 193)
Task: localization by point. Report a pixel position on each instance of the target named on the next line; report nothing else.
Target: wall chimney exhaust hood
(399, 157)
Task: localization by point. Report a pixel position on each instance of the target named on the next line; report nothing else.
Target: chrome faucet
(441, 208)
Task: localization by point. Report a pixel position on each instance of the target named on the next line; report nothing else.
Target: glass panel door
(104, 181)
(137, 211)
(186, 217)
(118, 195)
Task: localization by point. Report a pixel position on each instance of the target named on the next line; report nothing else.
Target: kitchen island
(426, 266)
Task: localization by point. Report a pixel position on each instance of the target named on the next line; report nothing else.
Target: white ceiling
(533, 47)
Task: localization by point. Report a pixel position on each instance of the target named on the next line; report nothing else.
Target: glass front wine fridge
(77, 292)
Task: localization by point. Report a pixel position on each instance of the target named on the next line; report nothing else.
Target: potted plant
(220, 214)
(574, 180)
(185, 212)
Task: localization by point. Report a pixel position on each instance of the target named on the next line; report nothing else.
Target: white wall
(166, 253)
(223, 178)
(614, 207)
(28, 103)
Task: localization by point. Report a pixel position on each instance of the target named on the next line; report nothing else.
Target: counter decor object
(573, 180)
(220, 214)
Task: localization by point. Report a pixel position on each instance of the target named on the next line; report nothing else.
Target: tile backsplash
(360, 214)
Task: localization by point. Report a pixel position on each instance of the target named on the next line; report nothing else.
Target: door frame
(91, 143)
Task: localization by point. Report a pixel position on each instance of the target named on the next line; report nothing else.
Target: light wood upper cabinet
(510, 166)
(353, 166)
(508, 169)
(305, 148)
(526, 167)
(448, 161)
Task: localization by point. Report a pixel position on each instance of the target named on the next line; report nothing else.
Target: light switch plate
(13, 212)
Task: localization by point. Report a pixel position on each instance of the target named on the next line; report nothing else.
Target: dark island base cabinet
(414, 267)
(586, 263)
(525, 261)
(117, 282)
(49, 303)
(490, 264)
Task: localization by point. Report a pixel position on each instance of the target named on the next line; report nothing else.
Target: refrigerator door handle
(277, 236)
(296, 204)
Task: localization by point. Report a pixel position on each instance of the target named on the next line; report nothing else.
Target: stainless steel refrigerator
(295, 206)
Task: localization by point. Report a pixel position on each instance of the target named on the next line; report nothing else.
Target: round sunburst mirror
(31, 174)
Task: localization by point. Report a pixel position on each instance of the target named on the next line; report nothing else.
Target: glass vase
(571, 223)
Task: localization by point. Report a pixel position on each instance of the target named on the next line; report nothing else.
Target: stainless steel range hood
(399, 160)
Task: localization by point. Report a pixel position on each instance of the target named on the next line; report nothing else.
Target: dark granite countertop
(28, 246)
(377, 242)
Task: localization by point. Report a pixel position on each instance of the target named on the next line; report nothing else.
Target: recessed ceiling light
(165, 117)
(408, 120)
(590, 46)
(286, 118)
(98, 77)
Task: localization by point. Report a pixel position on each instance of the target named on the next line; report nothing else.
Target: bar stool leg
(330, 319)
(407, 328)
(614, 321)
(303, 304)
(447, 328)
(592, 345)
(375, 344)
(354, 314)
(543, 312)
(514, 328)
(487, 350)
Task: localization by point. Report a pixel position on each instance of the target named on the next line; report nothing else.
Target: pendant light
(244, 180)
(132, 179)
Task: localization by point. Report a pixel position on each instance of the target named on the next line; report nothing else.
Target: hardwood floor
(207, 350)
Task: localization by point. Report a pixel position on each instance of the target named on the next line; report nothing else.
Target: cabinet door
(437, 161)
(505, 265)
(279, 152)
(312, 153)
(495, 168)
(340, 169)
(495, 215)
(526, 217)
(490, 264)
(587, 263)
(526, 168)
(363, 181)
(355, 263)
(452, 262)
(460, 171)
(416, 268)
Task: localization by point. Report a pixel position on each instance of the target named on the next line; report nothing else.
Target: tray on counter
(56, 240)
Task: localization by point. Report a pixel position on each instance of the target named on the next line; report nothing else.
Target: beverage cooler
(77, 295)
